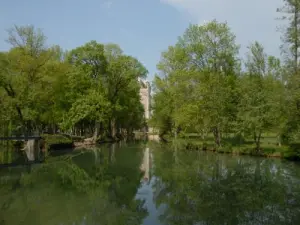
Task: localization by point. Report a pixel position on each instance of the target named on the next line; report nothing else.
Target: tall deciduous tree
(200, 73)
(291, 45)
(291, 34)
(22, 69)
(261, 94)
(113, 76)
(121, 80)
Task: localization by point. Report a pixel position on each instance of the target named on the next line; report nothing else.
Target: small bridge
(20, 138)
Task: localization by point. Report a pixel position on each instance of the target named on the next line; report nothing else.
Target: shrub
(57, 141)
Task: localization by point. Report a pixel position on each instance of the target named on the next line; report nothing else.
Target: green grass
(240, 146)
(57, 141)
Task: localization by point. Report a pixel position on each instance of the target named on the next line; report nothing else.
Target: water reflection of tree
(74, 190)
(200, 188)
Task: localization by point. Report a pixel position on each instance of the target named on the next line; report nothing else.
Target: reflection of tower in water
(146, 165)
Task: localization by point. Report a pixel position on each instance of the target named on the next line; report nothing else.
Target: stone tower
(145, 93)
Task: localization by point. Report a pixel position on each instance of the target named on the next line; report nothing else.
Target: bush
(73, 137)
(238, 139)
(227, 148)
(293, 153)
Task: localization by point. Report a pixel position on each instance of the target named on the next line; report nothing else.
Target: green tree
(163, 107)
(22, 69)
(290, 47)
(261, 95)
(200, 75)
(121, 80)
(291, 33)
(105, 71)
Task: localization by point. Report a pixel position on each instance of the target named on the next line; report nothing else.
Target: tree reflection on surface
(149, 183)
(83, 188)
(204, 188)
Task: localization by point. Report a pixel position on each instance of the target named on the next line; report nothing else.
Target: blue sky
(143, 28)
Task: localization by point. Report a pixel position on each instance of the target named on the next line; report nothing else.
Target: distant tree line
(92, 90)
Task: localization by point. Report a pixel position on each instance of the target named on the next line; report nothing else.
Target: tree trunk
(97, 130)
(279, 140)
(113, 128)
(202, 136)
(11, 93)
(217, 136)
(257, 141)
(82, 129)
(54, 128)
(175, 132)
(296, 39)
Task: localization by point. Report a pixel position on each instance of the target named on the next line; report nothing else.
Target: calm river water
(150, 183)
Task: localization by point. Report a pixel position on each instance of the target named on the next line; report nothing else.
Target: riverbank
(268, 148)
(63, 141)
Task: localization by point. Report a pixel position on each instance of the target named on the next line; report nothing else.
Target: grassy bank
(232, 145)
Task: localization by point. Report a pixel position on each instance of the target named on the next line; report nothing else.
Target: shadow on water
(61, 152)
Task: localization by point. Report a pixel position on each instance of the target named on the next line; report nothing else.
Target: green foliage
(90, 59)
(54, 141)
(262, 95)
(197, 91)
(92, 106)
(203, 88)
